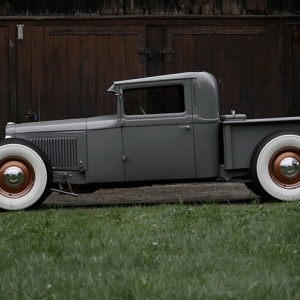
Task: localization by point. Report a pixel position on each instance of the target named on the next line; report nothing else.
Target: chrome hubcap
(289, 167)
(13, 176)
(284, 167)
(16, 177)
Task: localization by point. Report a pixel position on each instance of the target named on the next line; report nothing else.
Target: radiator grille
(61, 151)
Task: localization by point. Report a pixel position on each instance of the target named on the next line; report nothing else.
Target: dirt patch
(169, 193)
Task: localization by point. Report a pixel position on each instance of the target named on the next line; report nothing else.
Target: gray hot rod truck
(167, 128)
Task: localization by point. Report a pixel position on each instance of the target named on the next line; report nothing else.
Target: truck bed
(240, 137)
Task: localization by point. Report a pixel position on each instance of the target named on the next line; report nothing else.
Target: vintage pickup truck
(166, 128)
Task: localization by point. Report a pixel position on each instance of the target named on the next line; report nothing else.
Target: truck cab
(165, 122)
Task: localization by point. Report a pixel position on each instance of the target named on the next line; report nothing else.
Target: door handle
(187, 127)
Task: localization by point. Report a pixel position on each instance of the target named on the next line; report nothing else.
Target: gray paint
(159, 152)
(76, 125)
(120, 148)
(105, 155)
(155, 146)
(205, 102)
(207, 153)
(241, 138)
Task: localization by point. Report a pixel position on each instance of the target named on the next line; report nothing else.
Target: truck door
(157, 131)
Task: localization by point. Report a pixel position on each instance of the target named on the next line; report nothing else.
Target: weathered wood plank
(206, 7)
(12, 72)
(138, 7)
(24, 75)
(218, 67)
(246, 99)
(4, 79)
(232, 65)
(288, 71)
(232, 8)
(48, 101)
(134, 66)
(105, 104)
(256, 70)
(88, 79)
(61, 75)
(190, 60)
(280, 70)
(296, 68)
(262, 8)
(173, 63)
(269, 72)
(37, 60)
(203, 51)
(111, 7)
(74, 100)
(155, 39)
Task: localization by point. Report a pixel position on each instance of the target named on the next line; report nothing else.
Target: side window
(154, 100)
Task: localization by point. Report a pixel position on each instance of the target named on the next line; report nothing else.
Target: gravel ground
(223, 192)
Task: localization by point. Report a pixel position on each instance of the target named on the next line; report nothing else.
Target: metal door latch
(187, 127)
(165, 51)
(141, 52)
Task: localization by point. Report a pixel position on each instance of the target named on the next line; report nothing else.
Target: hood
(37, 128)
(60, 127)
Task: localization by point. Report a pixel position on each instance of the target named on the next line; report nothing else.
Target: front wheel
(275, 166)
(25, 175)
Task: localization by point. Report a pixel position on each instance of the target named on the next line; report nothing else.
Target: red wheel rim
(284, 167)
(16, 177)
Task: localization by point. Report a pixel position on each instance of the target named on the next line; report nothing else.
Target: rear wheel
(275, 166)
(25, 175)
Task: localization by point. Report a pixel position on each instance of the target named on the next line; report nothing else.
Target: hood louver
(62, 151)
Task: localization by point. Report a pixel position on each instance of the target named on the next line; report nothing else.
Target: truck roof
(185, 75)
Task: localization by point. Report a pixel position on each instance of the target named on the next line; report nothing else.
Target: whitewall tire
(275, 166)
(25, 175)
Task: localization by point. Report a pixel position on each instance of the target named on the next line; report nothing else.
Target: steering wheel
(140, 107)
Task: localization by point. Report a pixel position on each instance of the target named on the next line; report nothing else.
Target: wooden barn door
(57, 72)
(64, 72)
(248, 63)
(293, 67)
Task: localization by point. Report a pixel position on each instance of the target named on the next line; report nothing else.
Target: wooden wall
(148, 7)
(61, 67)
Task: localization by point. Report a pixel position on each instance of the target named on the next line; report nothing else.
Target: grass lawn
(155, 252)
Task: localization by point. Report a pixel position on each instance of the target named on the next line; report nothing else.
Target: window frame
(186, 93)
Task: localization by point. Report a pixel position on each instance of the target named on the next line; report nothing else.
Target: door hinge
(165, 51)
(142, 52)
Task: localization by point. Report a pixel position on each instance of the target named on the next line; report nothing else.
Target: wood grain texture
(67, 74)
(4, 79)
(148, 7)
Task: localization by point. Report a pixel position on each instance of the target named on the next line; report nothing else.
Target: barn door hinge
(142, 52)
(165, 51)
(20, 31)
